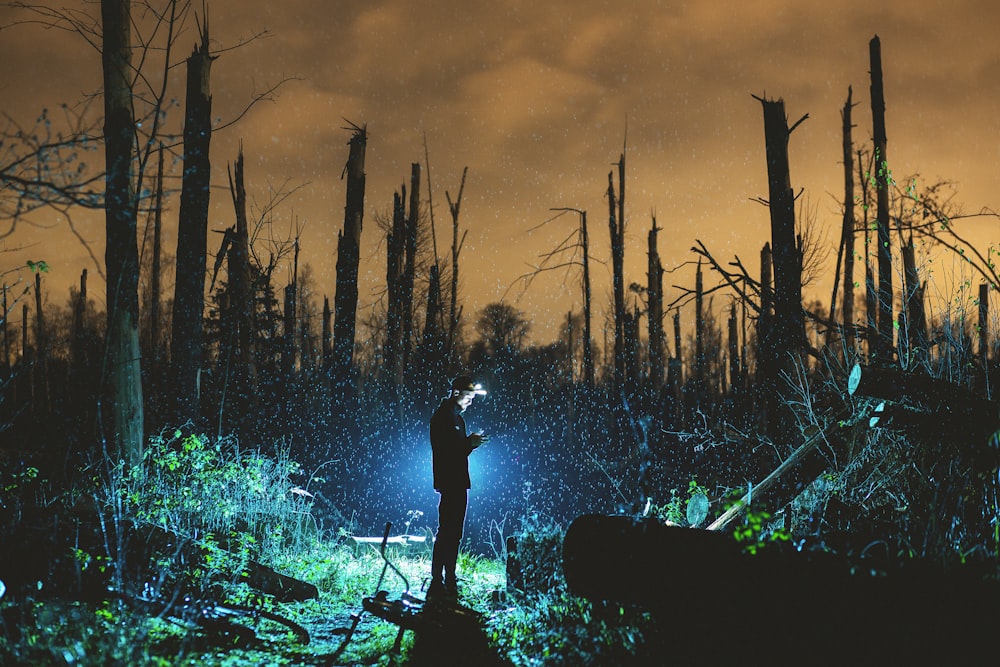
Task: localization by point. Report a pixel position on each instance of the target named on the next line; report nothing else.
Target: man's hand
(477, 439)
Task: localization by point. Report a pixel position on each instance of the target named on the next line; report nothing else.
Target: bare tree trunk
(916, 321)
(984, 326)
(699, 330)
(787, 332)
(588, 336)
(871, 295)
(456, 249)
(409, 269)
(192, 232)
(766, 317)
(154, 278)
(348, 258)
(6, 332)
(290, 353)
(288, 332)
(882, 182)
(79, 360)
(845, 252)
(241, 299)
(121, 253)
(327, 334)
(395, 257)
(616, 227)
(734, 349)
(654, 279)
(41, 369)
(432, 322)
(631, 331)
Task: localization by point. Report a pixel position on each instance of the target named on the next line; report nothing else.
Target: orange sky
(534, 98)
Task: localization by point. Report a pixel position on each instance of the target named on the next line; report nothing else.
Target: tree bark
(654, 279)
(845, 255)
(883, 179)
(192, 233)
(121, 253)
(915, 330)
(154, 277)
(786, 337)
(348, 257)
(616, 228)
(241, 292)
(456, 249)
(588, 338)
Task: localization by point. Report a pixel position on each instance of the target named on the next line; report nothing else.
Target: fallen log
(716, 601)
(955, 408)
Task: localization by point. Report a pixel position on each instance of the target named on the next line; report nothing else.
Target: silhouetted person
(451, 446)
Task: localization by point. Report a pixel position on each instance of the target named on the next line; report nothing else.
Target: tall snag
(616, 227)
(883, 181)
(345, 304)
(192, 232)
(845, 250)
(786, 336)
(241, 292)
(654, 280)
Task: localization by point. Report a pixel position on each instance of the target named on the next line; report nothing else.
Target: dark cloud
(535, 99)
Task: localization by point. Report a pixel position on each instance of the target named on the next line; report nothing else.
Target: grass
(205, 512)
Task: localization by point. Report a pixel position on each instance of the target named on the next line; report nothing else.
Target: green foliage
(216, 493)
(675, 509)
(756, 531)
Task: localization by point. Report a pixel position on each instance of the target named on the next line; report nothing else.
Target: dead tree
(454, 313)
(400, 271)
(735, 375)
(914, 349)
(241, 292)
(654, 281)
(984, 327)
(192, 232)
(616, 226)
(123, 369)
(40, 404)
(883, 181)
(786, 336)
(154, 337)
(845, 250)
(871, 294)
(699, 331)
(583, 243)
(348, 258)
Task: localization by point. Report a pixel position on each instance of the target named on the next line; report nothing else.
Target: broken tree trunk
(187, 322)
(654, 282)
(787, 480)
(345, 303)
(959, 410)
(882, 178)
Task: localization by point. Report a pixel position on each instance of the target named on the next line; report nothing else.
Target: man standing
(451, 446)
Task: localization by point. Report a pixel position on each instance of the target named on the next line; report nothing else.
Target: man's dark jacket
(450, 447)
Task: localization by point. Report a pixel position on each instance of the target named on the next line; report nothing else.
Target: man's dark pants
(451, 524)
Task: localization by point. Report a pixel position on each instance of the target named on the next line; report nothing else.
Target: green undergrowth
(182, 533)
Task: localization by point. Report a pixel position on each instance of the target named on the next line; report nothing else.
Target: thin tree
(616, 228)
(845, 250)
(654, 281)
(882, 182)
(454, 313)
